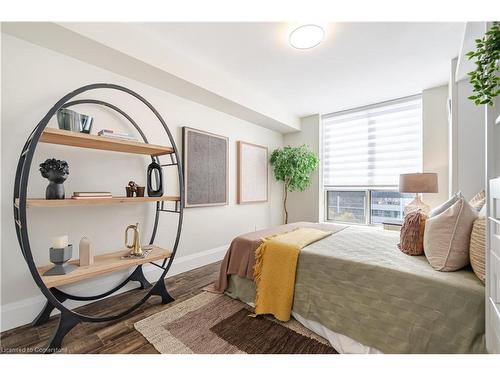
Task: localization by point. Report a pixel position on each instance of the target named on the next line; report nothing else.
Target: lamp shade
(418, 183)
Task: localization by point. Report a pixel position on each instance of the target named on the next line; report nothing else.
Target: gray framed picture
(206, 168)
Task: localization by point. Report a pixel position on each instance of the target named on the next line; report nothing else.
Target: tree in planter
(485, 80)
(293, 166)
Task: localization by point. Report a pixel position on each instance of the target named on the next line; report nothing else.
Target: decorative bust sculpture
(56, 171)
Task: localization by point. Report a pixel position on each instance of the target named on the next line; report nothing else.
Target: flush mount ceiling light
(306, 36)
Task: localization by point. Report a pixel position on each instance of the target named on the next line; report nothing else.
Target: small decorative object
(74, 121)
(206, 168)
(86, 252)
(135, 246)
(146, 250)
(140, 191)
(293, 166)
(485, 80)
(418, 183)
(133, 188)
(59, 256)
(56, 171)
(60, 242)
(155, 188)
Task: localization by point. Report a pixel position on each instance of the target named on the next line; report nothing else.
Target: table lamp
(418, 183)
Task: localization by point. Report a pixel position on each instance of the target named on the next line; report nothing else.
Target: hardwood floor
(111, 337)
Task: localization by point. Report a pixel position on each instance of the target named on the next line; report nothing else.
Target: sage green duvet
(357, 283)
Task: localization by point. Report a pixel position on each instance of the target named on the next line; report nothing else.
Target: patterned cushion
(478, 200)
(477, 247)
(412, 233)
(447, 237)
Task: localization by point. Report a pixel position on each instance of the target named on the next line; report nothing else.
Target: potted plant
(485, 80)
(293, 166)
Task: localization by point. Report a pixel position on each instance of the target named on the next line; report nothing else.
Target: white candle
(60, 242)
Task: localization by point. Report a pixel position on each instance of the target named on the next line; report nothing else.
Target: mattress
(356, 283)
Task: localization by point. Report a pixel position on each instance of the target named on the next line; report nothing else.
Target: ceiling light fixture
(306, 36)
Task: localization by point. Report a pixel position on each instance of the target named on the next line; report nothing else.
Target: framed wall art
(252, 173)
(206, 168)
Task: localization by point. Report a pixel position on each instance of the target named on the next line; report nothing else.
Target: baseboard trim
(22, 312)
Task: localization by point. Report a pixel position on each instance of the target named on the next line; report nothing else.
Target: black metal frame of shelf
(55, 297)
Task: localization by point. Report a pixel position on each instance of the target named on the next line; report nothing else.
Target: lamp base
(415, 205)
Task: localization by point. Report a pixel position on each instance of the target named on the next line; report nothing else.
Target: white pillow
(444, 206)
(447, 236)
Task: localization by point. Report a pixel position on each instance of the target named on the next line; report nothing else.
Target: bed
(356, 289)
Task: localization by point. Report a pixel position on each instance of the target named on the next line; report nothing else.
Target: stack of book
(91, 194)
(108, 133)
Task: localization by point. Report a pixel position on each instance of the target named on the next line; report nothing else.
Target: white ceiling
(252, 63)
(357, 63)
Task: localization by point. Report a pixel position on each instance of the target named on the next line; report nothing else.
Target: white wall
(435, 140)
(470, 142)
(307, 205)
(33, 79)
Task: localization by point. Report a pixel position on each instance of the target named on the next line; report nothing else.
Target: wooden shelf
(103, 264)
(68, 138)
(40, 202)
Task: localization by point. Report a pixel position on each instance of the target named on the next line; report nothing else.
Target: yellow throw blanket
(275, 266)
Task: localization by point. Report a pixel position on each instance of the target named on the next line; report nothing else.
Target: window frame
(368, 201)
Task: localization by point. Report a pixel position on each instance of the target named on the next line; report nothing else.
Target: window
(366, 206)
(364, 152)
(388, 206)
(346, 206)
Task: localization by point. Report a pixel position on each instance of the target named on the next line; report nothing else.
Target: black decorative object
(155, 169)
(134, 189)
(74, 121)
(59, 256)
(131, 189)
(56, 171)
(55, 297)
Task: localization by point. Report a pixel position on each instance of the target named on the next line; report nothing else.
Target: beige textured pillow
(447, 237)
(477, 247)
(478, 200)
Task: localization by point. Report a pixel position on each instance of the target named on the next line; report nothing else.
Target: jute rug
(216, 324)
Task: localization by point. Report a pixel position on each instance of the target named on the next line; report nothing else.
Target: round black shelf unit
(55, 297)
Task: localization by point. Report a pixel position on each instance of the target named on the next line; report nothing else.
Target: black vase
(155, 169)
(54, 190)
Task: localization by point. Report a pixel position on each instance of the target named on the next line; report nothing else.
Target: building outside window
(364, 152)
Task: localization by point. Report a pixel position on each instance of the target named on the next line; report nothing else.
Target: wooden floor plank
(117, 336)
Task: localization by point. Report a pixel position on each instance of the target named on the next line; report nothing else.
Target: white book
(112, 132)
(92, 193)
(89, 197)
(126, 138)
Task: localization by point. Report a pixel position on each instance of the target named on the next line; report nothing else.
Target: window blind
(371, 146)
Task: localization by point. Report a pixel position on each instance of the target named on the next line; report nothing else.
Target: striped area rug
(216, 324)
